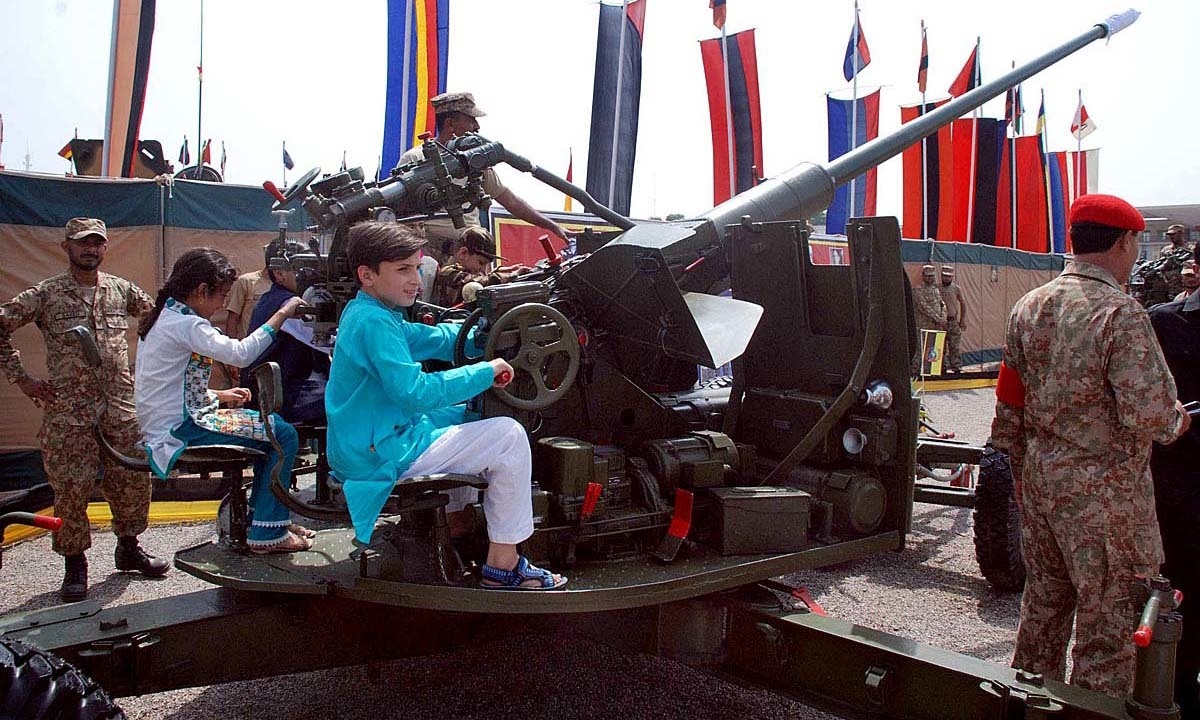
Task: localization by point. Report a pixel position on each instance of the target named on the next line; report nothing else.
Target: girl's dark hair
(193, 268)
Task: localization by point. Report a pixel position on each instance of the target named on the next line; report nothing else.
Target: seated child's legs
(269, 519)
(497, 449)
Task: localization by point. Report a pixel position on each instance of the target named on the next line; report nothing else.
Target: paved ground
(931, 592)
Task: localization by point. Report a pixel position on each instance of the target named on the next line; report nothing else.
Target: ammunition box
(777, 421)
(708, 474)
(756, 520)
(564, 465)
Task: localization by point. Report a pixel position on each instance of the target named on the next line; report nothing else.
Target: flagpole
(281, 157)
(612, 159)
(1043, 147)
(974, 151)
(728, 109)
(853, 106)
(1078, 144)
(406, 133)
(200, 93)
(1012, 163)
(924, 158)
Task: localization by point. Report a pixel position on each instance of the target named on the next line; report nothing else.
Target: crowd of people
(1089, 408)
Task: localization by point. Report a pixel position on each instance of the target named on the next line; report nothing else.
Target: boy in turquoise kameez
(389, 419)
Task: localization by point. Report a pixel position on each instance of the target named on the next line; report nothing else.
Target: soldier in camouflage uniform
(76, 397)
(928, 303)
(1082, 394)
(956, 318)
(471, 262)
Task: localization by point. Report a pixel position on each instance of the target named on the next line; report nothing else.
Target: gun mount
(651, 488)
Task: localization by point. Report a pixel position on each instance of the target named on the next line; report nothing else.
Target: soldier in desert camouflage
(1083, 392)
(75, 398)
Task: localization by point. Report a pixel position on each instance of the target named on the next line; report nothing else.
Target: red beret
(1108, 210)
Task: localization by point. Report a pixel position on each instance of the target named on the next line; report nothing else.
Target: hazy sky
(310, 74)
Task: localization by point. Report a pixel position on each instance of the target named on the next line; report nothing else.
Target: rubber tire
(36, 685)
(997, 519)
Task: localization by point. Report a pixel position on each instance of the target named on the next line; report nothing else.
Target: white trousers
(498, 450)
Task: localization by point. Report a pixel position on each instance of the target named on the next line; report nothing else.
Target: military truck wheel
(997, 521)
(36, 685)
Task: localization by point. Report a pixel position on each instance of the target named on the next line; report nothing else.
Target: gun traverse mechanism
(650, 487)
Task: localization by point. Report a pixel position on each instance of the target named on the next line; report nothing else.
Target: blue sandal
(496, 579)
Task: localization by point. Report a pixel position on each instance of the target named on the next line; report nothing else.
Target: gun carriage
(670, 503)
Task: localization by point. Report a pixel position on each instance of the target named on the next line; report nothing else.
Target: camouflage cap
(948, 270)
(1188, 270)
(81, 227)
(928, 269)
(461, 102)
(1176, 228)
(480, 241)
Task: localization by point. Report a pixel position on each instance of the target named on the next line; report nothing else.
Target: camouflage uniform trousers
(71, 458)
(1086, 574)
(953, 344)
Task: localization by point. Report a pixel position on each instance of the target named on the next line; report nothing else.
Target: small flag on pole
(287, 159)
(185, 155)
(857, 46)
(570, 173)
(1014, 108)
(923, 65)
(222, 158)
(718, 8)
(1041, 118)
(206, 153)
(968, 77)
(66, 151)
(343, 167)
(1082, 125)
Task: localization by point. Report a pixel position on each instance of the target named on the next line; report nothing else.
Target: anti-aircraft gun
(671, 505)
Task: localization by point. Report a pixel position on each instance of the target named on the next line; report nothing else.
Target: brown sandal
(289, 544)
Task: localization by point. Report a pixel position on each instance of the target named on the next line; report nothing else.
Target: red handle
(590, 498)
(274, 191)
(1143, 636)
(47, 522)
(504, 378)
(551, 254)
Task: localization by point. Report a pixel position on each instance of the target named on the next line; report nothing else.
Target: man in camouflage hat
(1083, 392)
(76, 397)
(472, 261)
(1177, 237)
(956, 318)
(456, 114)
(927, 301)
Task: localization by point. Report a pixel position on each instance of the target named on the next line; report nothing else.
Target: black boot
(130, 556)
(74, 584)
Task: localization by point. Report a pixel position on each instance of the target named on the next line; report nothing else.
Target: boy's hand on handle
(502, 372)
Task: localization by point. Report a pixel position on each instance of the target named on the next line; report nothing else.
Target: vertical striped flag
(743, 110)
(206, 153)
(841, 141)
(185, 155)
(128, 74)
(418, 37)
(857, 46)
(923, 65)
(718, 8)
(616, 98)
(222, 158)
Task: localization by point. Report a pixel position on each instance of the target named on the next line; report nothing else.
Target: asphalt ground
(931, 592)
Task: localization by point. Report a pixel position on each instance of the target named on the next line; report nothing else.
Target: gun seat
(231, 461)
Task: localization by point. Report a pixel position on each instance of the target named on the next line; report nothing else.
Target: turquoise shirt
(383, 410)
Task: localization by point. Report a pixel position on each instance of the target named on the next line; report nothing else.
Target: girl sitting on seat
(175, 407)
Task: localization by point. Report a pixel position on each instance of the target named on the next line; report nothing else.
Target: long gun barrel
(807, 189)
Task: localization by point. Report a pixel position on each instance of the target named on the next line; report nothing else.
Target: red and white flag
(570, 173)
(1082, 125)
